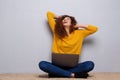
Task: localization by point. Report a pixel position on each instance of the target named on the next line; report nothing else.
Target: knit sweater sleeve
(51, 20)
(90, 30)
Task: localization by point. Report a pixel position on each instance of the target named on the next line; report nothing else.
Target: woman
(67, 39)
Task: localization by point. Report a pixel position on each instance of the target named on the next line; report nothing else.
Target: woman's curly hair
(59, 28)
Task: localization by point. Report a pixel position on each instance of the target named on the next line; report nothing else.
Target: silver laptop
(65, 60)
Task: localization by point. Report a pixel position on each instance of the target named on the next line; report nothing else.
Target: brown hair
(59, 28)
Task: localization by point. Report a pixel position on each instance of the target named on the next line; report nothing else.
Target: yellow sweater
(71, 44)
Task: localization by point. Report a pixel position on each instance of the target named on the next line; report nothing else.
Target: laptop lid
(65, 60)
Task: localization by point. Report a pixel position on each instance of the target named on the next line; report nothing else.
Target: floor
(93, 76)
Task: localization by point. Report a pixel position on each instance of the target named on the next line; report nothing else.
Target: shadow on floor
(46, 76)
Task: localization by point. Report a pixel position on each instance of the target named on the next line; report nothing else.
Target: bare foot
(72, 75)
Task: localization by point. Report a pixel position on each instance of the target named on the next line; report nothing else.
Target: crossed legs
(48, 67)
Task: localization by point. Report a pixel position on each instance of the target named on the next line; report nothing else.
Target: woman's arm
(51, 19)
(81, 26)
(56, 16)
(87, 29)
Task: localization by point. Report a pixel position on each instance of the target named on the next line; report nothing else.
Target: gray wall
(25, 37)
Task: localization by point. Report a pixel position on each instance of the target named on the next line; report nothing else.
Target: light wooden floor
(94, 76)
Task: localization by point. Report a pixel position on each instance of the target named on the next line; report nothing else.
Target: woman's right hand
(56, 17)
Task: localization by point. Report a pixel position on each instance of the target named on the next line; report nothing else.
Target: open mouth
(64, 22)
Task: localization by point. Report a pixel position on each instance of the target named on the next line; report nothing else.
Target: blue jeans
(53, 69)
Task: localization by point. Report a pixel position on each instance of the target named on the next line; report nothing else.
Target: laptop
(65, 60)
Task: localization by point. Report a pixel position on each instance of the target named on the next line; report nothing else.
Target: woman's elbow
(96, 29)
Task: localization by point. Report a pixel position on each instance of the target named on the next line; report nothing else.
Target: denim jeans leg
(50, 68)
(83, 67)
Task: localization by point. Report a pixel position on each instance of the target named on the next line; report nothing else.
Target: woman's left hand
(81, 26)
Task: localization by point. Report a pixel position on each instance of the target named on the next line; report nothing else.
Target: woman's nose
(65, 19)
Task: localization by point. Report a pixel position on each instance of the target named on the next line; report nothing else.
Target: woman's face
(66, 21)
